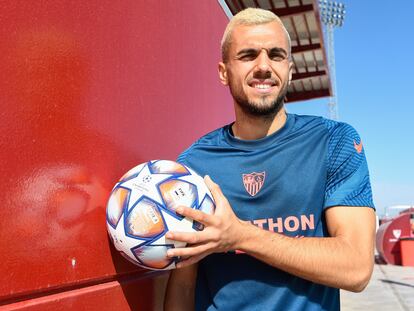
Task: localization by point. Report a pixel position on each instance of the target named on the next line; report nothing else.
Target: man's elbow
(360, 279)
(359, 286)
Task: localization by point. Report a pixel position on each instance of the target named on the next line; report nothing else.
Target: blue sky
(375, 77)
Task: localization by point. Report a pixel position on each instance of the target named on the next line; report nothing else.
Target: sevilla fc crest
(253, 182)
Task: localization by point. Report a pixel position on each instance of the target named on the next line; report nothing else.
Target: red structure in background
(389, 236)
(89, 90)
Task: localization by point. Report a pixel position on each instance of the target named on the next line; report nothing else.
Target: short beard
(261, 110)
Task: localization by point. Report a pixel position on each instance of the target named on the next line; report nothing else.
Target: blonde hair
(249, 17)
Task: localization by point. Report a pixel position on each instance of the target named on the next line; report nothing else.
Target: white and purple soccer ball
(141, 209)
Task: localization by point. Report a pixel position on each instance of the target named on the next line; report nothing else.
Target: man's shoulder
(333, 127)
(340, 130)
(211, 139)
(307, 122)
(344, 145)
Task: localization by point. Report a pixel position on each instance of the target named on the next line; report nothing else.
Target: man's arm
(343, 260)
(179, 295)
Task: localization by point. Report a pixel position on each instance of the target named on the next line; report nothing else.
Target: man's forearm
(179, 294)
(332, 261)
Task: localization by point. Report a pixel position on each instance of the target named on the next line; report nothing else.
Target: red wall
(89, 89)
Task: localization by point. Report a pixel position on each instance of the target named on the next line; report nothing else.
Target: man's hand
(222, 230)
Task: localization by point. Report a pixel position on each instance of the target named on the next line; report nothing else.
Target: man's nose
(263, 61)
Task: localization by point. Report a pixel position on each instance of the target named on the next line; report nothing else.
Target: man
(294, 220)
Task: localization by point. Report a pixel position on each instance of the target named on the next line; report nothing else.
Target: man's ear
(222, 70)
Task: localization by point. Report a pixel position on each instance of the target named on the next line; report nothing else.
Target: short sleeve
(348, 181)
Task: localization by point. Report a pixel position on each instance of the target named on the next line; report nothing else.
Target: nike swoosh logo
(358, 147)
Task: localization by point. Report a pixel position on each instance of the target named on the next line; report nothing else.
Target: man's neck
(249, 127)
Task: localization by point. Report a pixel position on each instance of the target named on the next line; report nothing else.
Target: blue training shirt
(282, 183)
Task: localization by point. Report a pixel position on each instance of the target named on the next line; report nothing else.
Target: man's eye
(277, 57)
(247, 57)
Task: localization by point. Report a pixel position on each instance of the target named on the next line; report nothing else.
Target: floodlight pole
(332, 15)
(333, 100)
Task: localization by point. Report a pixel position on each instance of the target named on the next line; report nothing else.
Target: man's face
(258, 69)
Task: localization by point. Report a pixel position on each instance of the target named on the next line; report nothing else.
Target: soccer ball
(141, 209)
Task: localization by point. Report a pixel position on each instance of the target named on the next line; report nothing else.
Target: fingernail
(168, 235)
(170, 253)
(179, 210)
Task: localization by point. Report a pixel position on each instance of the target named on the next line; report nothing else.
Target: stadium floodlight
(332, 15)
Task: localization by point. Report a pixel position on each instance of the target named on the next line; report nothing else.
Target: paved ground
(391, 289)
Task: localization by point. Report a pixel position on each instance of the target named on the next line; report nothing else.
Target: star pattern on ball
(144, 184)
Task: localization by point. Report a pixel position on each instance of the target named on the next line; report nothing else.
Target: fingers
(208, 235)
(214, 188)
(205, 219)
(187, 237)
(191, 254)
(189, 261)
(189, 251)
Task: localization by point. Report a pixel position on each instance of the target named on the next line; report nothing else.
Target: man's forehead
(270, 35)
